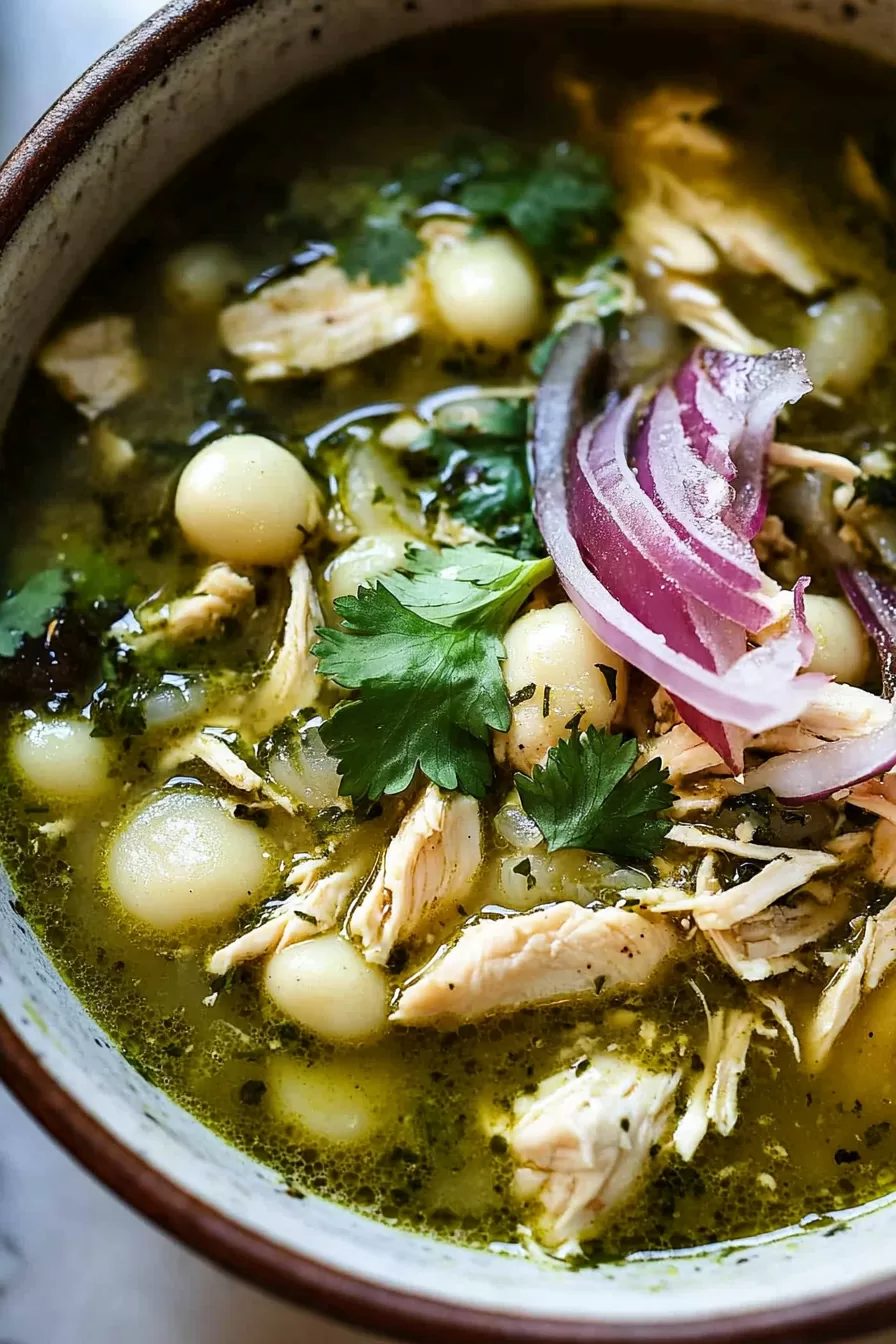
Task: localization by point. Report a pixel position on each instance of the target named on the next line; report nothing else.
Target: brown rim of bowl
(27, 174)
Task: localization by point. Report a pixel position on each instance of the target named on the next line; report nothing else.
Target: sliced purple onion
(692, 494)
(759, 690)
(803, 776)
(608, 502)
(756, 388)
(874, 602)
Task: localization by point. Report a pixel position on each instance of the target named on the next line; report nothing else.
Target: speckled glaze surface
(167, 91)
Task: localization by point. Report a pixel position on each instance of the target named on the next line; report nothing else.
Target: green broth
(804, 1145)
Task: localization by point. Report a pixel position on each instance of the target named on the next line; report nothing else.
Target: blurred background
(76, 1266)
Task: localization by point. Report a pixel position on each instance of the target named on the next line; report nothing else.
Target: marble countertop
(76, 1264)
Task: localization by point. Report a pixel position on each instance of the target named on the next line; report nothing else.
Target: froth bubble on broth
(357, 836)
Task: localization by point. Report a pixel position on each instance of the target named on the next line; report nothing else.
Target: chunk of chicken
(838, 711)
(882, 866)
(807, 459)
(682, 753)
(428, 867)
(552, 953)
(292, 681)
(726, 909)
(585, 1140)
(713, 1100)
(761, 947)
(213, 751)
(220, 595)
(669, 119)
(315, 906)
(702, 310)
(319, 320)
(753, 236)
(863, 971)
(95, 365)
(877, 796)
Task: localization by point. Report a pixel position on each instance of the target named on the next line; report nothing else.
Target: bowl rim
(25, 177)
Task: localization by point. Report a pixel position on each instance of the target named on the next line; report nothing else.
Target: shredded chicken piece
(778, 1010)
(863, 972)
(682, 753)
(427, 868)
(882, 865)
(314, 907)
(218, 756)
(771, 541)
(319, 320)
(862, 180)
(849, 845)
(214, 752)
(95, 365)
(838, 711)
(584, 1141)
(762, 946)
(702, 310)
(696, 838)
(839, 1001)
(713, 1100)
(292, 681)
(807, 459)
(877, 796)
(883, 946)
(220, 595)
(550, 953)
(731, 907)
(657, 235)
(111, 456)
(669, 119)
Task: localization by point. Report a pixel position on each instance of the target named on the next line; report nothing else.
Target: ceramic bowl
(163, 94)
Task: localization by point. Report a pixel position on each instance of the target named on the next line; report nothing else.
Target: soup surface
(526, 883)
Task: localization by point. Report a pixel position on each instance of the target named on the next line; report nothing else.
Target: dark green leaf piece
(584, 797)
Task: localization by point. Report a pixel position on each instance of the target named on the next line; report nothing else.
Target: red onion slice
(874, 602)
(757, 388)
(760, 690)
(802, 776)
(693, 496)
(607, 501)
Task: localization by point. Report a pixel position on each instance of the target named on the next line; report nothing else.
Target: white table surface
(76, 1265)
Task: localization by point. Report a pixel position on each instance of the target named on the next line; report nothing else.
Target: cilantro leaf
(478, 455)
(29, 611)
(584, 797)
(423, 647)
(382, 250)
(556, 205)
(470, 587)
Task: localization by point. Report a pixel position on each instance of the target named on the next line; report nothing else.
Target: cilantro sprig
(584, 797)
(479, 459)
(382, 250)
(423, 649)
(28, 611)
(559, 201)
